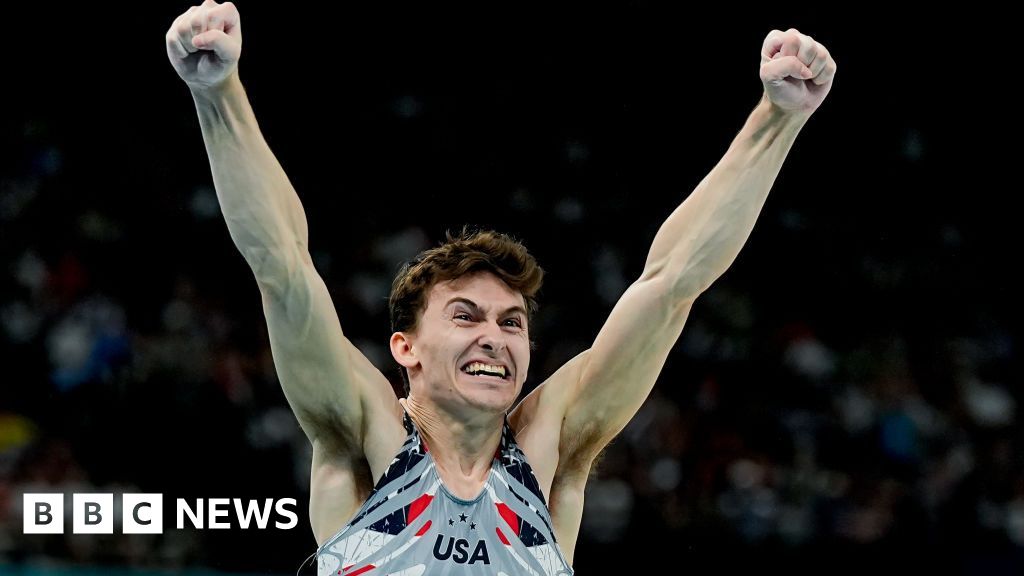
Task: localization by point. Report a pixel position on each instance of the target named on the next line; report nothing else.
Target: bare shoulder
(560, 467)
(537, 421)
(384, 432)
(341, 479)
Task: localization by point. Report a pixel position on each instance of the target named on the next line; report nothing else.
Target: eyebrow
(476, 308)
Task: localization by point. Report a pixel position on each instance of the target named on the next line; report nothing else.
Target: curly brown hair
(467, 252)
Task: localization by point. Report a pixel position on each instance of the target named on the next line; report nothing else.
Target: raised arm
(695, 245)
(331, 387)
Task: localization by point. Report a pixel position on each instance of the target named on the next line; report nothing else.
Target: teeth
(479, 366)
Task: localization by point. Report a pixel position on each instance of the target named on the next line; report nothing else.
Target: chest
(414, 520)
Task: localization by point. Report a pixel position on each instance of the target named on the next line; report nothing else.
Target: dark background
(844, 397)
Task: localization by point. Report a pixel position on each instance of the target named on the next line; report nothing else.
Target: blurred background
(843, 399)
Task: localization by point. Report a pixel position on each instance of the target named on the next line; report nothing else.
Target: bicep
(327, 381)
(624, 362)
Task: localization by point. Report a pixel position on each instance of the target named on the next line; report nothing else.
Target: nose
(491, 338)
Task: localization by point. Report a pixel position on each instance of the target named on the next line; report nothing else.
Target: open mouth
(482, 369)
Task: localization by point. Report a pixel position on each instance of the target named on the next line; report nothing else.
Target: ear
(401, 350)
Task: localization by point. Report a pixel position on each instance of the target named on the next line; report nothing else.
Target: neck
(462, 447)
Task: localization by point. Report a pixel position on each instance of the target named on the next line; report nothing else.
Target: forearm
(703, 236)
(263, 213)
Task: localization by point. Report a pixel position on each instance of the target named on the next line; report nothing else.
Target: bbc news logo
(144, 513)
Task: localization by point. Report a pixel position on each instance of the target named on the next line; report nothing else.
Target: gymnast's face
(471, 347)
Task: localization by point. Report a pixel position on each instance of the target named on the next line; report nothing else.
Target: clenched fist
(204, 44)
(796, 71)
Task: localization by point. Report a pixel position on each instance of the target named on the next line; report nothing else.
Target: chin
(487, 394)
(489, 399)
(492, 401)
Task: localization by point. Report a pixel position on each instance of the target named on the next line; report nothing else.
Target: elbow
(686, 287)
(677, 284)
(276, 268)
